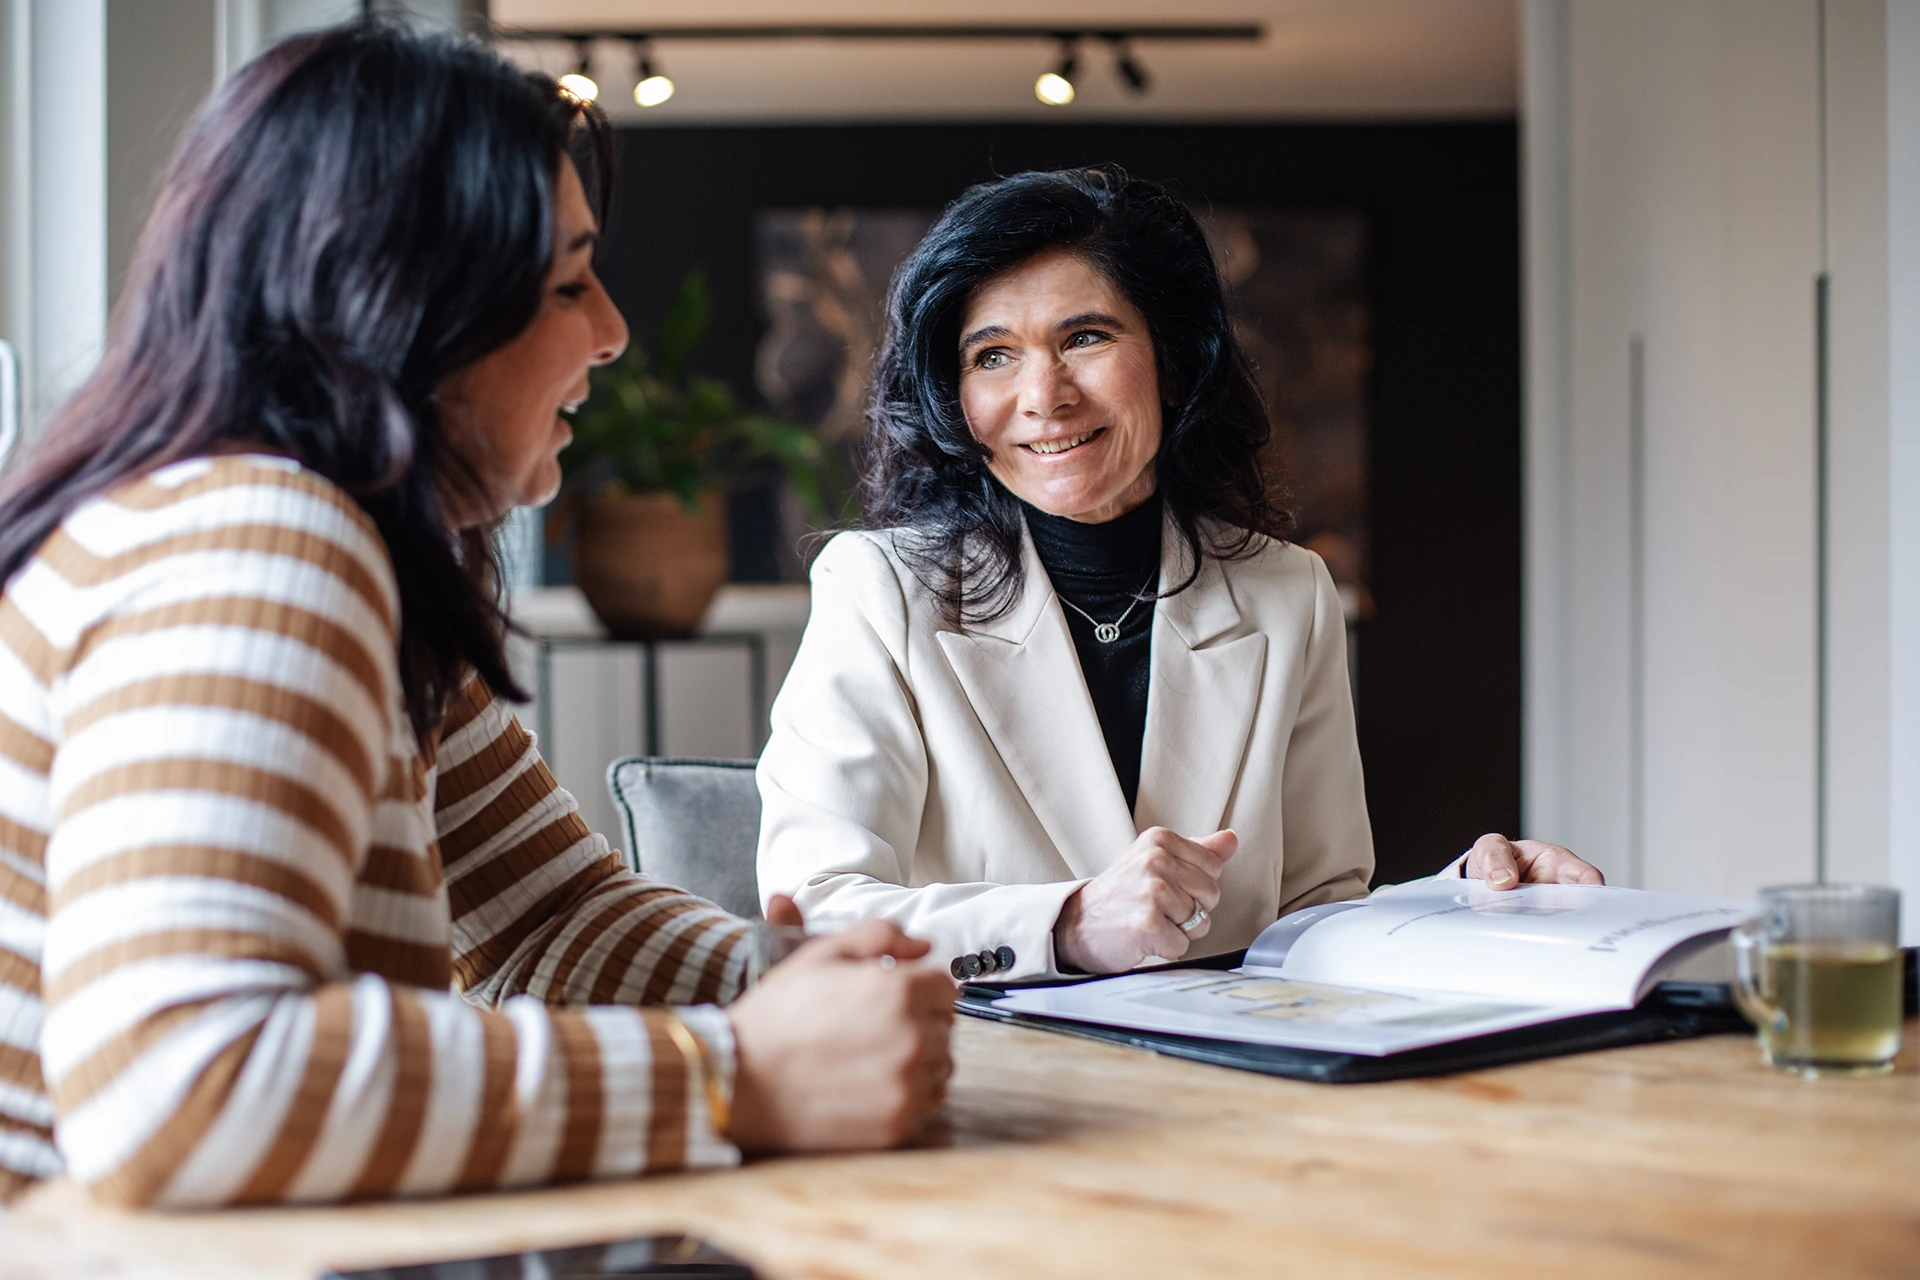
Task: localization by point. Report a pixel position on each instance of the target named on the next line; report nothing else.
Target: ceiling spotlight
(650, 88)
(1055, 87)
(1128, 66)
(580, 82)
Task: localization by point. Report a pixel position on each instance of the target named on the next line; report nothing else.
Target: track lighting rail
(1054, 87)
(835, 31)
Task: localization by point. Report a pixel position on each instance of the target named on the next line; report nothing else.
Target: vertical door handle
(1637, 610)
(1822, 555)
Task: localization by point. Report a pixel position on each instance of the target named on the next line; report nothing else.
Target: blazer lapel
(1200, 701)
(1023, 678)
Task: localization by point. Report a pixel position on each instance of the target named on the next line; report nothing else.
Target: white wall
(16, 180)
(1902, 492)
(62, 262)
(161, 62)
(1547, 778)
(1691, 171)
(253, 24)
(93, 97)
(1859, 624)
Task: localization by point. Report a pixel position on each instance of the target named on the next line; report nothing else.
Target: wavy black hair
(925, 474)
(356, 214)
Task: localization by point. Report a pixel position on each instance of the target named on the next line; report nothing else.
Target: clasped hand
(1133, 911)
(844, 1044)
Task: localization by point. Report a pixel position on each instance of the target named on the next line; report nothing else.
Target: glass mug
(1818, 972)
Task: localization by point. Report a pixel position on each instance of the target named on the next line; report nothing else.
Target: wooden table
(1059, 1157)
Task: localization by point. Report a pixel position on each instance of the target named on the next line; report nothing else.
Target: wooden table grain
(1060, 1157)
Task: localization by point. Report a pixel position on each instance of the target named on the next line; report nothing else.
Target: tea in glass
(1819, 974)
(1842, 1004)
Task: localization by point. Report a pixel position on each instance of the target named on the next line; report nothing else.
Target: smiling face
(504, 413)
(1057, 380)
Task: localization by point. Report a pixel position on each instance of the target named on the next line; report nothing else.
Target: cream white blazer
(957, 782)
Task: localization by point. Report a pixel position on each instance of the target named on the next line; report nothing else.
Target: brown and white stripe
(235, 894)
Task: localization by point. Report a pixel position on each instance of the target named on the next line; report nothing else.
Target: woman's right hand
(839, 1048)
(1133, 910)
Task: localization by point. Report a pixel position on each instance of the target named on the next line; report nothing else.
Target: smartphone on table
(655, 1257)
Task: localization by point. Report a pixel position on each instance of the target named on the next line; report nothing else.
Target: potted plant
(655, 448)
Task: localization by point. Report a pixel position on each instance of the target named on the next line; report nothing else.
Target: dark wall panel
(1439, 666)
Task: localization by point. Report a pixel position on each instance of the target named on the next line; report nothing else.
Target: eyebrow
(981, 335)
(1090, 317)
(583, 240)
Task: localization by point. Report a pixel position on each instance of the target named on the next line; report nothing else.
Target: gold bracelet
(700, 1064)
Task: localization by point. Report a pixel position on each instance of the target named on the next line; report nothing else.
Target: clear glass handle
(771, 944)
(1750, 987)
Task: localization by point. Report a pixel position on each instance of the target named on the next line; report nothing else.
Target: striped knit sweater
(254, 944)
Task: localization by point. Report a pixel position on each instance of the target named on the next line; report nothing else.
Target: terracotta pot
(647, 565)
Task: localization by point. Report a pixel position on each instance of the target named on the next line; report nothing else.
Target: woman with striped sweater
(290, 909)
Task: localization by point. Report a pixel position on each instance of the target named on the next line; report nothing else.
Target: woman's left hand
(1508, 864)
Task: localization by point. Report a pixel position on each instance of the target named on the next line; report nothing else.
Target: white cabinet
(1674, 202)
(591, 701)
(1723, 684)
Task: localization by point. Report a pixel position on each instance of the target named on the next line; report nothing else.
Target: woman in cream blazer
(956, 782)
(953, 748)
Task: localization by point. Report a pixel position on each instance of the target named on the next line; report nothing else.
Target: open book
(1425, 964)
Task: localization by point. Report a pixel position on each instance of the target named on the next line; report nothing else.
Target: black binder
(1674, 1011)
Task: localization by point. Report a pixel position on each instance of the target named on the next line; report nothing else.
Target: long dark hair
(354, 215)
(927, 476)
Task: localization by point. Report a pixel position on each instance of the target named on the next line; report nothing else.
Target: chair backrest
(694, 824)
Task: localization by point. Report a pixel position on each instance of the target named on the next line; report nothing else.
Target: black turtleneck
(1104, 568)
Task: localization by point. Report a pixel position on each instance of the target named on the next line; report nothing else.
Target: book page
(1584, 946)
(1262, 1009)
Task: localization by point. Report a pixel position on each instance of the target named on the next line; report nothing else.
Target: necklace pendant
(1106, 632)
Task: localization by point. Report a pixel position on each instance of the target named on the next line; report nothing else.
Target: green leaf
(683, 328)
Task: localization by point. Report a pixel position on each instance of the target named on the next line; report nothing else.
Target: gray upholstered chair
(692, 823)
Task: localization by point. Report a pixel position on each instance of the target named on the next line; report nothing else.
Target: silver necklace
(1106, 632)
